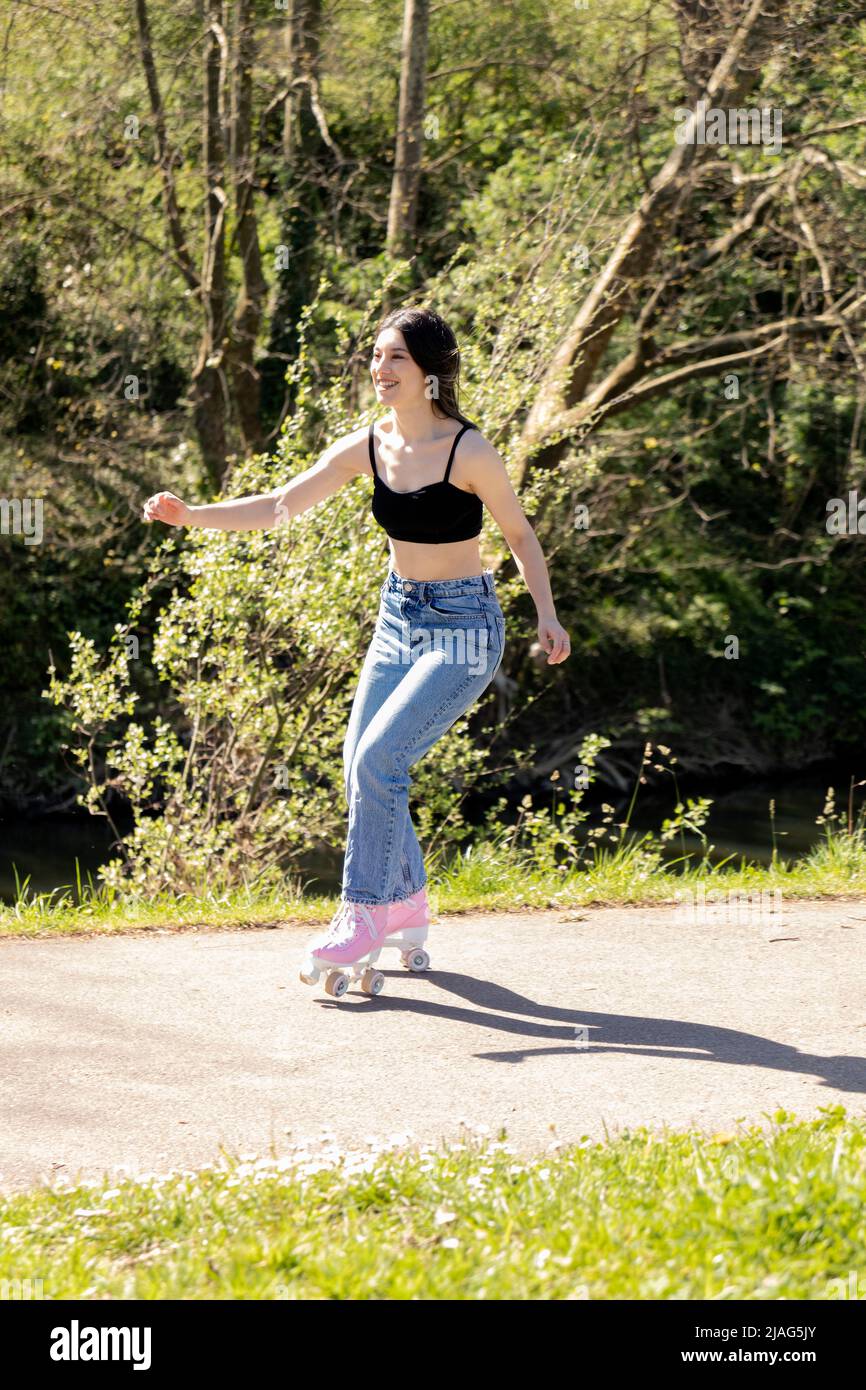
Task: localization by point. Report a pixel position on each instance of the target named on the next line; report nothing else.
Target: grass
(500, 873)
(766, 1213)
(548, 858)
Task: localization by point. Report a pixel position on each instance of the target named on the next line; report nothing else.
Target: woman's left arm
(489, 478)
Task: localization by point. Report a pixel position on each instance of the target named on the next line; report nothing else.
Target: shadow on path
(673, 1039)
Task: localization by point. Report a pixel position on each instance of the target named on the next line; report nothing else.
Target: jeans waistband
(427, 588)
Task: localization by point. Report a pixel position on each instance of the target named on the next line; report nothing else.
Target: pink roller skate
(354, 937)
(408, 921)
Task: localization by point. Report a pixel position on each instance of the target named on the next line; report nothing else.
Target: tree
(403, 205)
(225, 378)
(587, 380)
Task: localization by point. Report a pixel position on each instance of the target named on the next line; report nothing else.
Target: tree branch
(166, 155)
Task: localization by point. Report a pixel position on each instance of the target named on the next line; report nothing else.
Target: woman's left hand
(554, 640)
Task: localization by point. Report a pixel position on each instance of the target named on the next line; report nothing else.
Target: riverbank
(751, 821)
(493, 876)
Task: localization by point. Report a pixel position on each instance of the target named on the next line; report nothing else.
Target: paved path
(148, 1051)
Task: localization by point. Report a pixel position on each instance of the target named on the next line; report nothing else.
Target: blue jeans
(436, 647)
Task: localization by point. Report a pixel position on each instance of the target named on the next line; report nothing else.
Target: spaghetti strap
(372, 451)
(459, 435)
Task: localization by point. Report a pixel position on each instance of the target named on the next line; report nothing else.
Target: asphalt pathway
(150, 1051)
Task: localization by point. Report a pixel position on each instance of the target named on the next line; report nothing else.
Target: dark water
(740, 821)
(46, 847)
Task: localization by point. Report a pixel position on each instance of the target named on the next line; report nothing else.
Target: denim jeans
(436, 647)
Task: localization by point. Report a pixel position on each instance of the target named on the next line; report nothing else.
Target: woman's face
(396, 376)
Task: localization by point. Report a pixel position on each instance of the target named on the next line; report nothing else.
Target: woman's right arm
(339, 464)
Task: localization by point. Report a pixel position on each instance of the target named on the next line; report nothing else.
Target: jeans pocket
(455, 605)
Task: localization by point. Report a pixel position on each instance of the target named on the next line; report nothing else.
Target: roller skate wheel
(416, 960)
(372, 981)
(336, 984)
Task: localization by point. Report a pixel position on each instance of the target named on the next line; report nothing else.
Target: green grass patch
(500, 873)
(773, 1211)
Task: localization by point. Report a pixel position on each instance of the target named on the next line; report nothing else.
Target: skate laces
(343, 923)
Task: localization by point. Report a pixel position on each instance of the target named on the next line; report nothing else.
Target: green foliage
(706, 515)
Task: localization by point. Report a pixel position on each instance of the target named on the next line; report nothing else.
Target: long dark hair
(431, 344)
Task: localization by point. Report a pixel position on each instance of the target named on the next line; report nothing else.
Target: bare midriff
(454, 560)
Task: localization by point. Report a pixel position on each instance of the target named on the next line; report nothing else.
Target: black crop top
(431, 515)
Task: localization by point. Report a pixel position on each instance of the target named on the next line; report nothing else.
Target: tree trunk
(210, 383)
(403, 207)
(302, 206)
(303, 31)
(245, 379)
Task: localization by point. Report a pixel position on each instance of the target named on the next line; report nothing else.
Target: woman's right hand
(164, 506)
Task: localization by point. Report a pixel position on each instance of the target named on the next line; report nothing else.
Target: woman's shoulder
(351, 451)
(478, 464)
(474, 443)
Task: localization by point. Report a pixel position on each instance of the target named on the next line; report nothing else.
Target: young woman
(439, 635)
